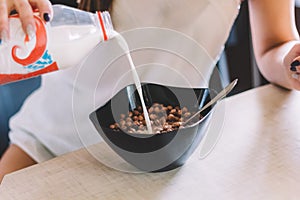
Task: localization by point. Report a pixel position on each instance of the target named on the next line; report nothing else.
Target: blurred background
(238, 60)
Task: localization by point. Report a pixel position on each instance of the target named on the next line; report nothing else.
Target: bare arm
(275, 39)
(14, 159)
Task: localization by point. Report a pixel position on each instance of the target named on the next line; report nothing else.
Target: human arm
(14, 159)
(25, 10)
(275, 40)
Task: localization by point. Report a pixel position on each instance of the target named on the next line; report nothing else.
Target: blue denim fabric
(12, 96)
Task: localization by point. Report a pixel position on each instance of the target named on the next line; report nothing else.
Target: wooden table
(257, 157)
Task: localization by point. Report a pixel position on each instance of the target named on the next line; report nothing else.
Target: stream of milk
(136, 80)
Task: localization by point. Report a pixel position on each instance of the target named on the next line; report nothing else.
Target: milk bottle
(62, 43)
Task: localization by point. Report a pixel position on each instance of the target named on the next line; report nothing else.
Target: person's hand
(292, 61)
(25, 10)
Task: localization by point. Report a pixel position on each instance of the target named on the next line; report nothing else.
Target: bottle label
(23, 57)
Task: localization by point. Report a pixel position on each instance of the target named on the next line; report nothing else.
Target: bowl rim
(156, 134)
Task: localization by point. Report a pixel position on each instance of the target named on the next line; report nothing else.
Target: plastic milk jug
(59, 44)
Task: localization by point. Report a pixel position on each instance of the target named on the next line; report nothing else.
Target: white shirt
(55, 118)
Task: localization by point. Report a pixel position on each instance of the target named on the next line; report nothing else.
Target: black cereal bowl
(153, 152)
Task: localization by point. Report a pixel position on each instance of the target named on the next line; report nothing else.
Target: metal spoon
(219, 96)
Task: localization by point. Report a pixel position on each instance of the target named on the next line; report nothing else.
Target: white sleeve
(26, 130)
(44, 127)
(29, 144)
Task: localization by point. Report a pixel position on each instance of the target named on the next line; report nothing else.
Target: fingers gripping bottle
(62, 43)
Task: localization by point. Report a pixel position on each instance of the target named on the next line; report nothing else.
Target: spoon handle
(219, 96)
